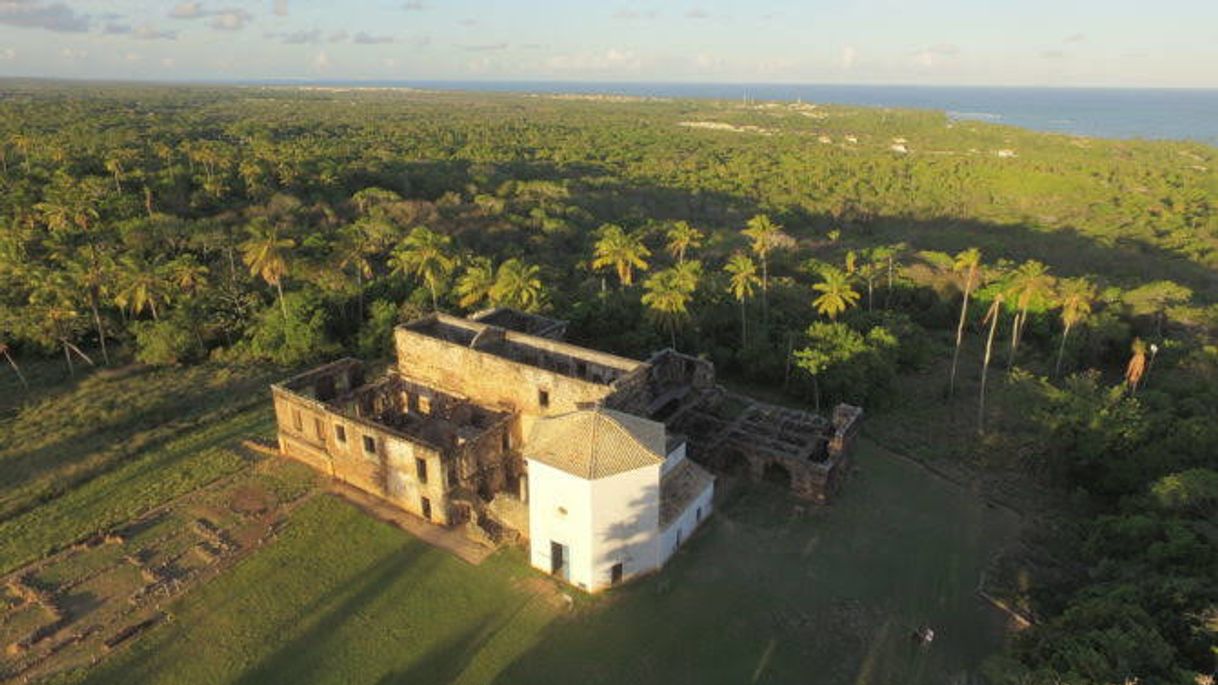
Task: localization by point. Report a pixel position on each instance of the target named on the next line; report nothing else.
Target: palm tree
(425, 255)
(474, 285)
(143, 286)
(1076, 296)
(265, 253)
(623, 251)
(836, 294)
(369, 200)
(667, 298)
(765, 236)
(93, 273)
(357, 243)
(969, 262)
(186, 274)
(991, 317)
(744, 278)
(681, 237)
(1137, 365)
(4, 350)
(1028, 283)
(518, 285)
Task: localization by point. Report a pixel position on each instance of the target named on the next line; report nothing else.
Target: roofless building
(495, 423)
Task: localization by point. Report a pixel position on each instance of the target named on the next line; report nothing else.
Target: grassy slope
(762, 595)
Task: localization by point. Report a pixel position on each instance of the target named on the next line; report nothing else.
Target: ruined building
(495, 424)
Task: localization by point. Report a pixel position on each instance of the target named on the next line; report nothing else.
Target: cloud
(338, 36)
(226, 19)
(279, 8)
(415, 6)
(146, 32)
(186, 10)
(363, 38)
(322, 61)
(1053, 54)
(7, 54)
(629, 14)
(847, 57)
(113, 29)
(697, 13)
(297, 37)
(610, 60)
(935, 54)
(1075, 38)
(230, 19)
(468, 22)
(168, 62)
(132, 57)
(485, 47)
(34, 14)
(73, 54)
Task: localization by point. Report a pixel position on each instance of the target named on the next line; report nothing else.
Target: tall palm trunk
(16, 369)
(951, 384)
(995, 311)
(744, 326)
(1015, 328)
(1057, 369)
(283, 307)
(101, 334)
(765, 291)
(435, 306)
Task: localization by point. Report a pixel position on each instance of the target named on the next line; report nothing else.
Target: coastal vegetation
(1037, 311)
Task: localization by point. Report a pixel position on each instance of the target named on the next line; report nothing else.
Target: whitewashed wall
(626, 520)
(549, 490)
(686, 523)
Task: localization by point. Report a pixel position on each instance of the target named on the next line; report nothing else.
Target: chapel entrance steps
(732, 433)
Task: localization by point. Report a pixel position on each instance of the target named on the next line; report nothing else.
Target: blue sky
(950, 42)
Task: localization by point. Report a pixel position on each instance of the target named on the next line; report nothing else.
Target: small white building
(611, 496)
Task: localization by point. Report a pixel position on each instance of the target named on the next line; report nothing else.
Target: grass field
(767, 593)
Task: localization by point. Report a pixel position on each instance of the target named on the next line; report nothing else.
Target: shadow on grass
(304, 655)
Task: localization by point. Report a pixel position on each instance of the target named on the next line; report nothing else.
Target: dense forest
(1059, 293)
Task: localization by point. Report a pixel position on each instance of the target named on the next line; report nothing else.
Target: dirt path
(448, 539)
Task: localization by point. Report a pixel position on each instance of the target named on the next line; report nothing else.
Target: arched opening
(777, 474)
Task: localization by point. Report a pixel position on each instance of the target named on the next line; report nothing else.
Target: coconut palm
(426, 255)
(743, 279)
(623, 251)
(1030, 282)
(967, 262)
(143, 285)
(4, 350)
(369, 200)
(266, 255)
(667, 299)
(682, 237)
(1076, 296)
(518, 285)
(357, 244)
(474, 285)
(92, 272)
(991, 317)
(1137, 365)
(836, 293)
(765, 236)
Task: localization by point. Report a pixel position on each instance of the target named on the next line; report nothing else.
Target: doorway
(426, 508)
(615, 574)
(558, 561)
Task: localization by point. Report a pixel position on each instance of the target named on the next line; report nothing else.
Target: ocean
(1179, 114)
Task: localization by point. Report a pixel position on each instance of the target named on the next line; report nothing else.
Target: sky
(1134, 43)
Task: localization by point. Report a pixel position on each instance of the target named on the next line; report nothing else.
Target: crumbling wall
(362, 453)
(489, 379)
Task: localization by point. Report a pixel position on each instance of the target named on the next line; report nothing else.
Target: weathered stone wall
(490, 379)
(362, 453)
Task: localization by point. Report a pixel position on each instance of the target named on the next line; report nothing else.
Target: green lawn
(763, 594)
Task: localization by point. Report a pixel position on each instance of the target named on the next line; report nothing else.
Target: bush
(166, 343)
(299, 338)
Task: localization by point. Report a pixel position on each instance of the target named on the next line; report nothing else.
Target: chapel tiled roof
(596, 443)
